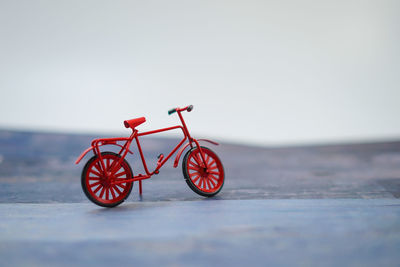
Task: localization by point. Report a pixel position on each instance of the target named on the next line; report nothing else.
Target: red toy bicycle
(107, 179)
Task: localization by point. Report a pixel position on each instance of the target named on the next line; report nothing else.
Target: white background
(260, 72)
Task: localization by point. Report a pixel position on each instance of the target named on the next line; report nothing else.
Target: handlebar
(171, 111)
(188, 108)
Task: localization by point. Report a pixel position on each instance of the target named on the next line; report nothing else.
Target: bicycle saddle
(134, 122)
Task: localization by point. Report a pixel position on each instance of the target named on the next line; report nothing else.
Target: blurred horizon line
(223, 140)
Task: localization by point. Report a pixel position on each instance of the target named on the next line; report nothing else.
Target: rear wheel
(204, 180)
(98, 183)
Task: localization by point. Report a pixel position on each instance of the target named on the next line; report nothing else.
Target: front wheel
(204, 179)
(98, 183)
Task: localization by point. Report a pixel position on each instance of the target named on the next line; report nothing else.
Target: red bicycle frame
(135, 135)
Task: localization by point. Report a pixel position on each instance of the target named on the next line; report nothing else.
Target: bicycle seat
(134, 122)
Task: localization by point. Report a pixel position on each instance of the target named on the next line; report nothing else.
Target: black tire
(89, 195)
(207, 191)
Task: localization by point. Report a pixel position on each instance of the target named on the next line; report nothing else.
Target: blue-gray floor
(334, 205)
(329, 232)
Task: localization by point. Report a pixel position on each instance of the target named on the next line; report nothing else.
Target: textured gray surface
(329, 232)
(333, 205)
(39, 168)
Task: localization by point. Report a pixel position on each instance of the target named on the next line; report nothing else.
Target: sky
(257, 72)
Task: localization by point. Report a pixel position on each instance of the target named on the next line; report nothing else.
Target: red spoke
(94, 178)
(195, 180)
(120, 174)
(196, 159)
(107, 194)
(213, 168)
(102, 192)
(94, 172)
(122, 186)
(118, 168)
(206, 158)
(216, 173)
(112, 164)
(215, 178)
(94, 184)
(212, 182)
(117, 189)
(193, 169)
(112, 192)
(97, 189)
(108, 164)
(192, 173)
(98, 166)
(193, 164)
(208, 183)
(200, 158)
(201, 182)
(204, 183)
(211, 163)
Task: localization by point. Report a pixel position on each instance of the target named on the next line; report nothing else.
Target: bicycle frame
(135, 135)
